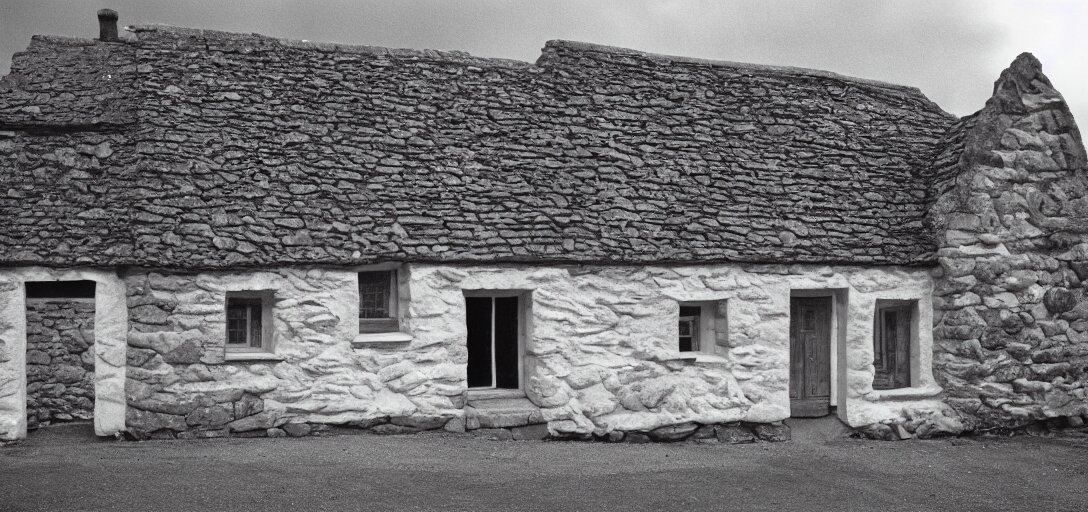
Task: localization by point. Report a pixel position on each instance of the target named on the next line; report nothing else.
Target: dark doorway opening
(810, 356)
(493, 358)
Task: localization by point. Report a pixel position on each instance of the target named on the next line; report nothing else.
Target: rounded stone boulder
(672, 433)
(1059, 300)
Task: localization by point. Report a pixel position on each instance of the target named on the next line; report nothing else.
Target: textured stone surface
(251, 151)
(734, 434)
(671, 433)
(602, 353)
(78, 83)
(774, 432)
(1011, 320)
(180, 377)
(59, 360)
(197, 149)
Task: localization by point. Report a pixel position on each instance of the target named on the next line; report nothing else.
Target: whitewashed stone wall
(601, 353)
(600, 348)
(182, 380)
(109, 347)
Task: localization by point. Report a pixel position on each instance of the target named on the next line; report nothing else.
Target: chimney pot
(107, 25)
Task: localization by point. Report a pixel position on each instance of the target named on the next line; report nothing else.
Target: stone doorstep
(501, 413)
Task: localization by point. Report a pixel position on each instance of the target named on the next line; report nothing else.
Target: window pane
(689, 329)
(244, 322)
(255, 325)
(375, 289)
(236, 324)
(891, 348)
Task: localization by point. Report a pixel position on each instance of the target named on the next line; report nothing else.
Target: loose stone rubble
(602, 186)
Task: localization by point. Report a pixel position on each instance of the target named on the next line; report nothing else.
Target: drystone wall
(248, 151)
(1011, 319)
(59, 360)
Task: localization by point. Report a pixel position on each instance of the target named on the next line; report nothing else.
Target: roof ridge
(455, 55)
(793, 70)
(463, 56)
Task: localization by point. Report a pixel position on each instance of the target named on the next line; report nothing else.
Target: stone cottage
(207, 234)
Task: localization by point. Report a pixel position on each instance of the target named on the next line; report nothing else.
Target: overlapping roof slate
(240, 150)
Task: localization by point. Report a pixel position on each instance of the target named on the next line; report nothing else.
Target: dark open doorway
(493, 350)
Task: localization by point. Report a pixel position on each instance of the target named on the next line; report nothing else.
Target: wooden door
(810, 356)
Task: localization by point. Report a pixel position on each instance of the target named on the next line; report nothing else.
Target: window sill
(904, 393)
(710, 358)
(251, 356)
(492, 393)
(697, 357)
(371, 338)
(678, 356)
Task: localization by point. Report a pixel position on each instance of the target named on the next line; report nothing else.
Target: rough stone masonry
(60, 361)
(602, 188)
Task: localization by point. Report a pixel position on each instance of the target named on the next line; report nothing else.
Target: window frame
(524, 298)
(696, 327)
(712, 325)
(368, 325)
(907, 313)
(250, 298)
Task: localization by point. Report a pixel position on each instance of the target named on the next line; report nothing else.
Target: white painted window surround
(713, 329)
(922, 383)
(384, 331)
(261, 346)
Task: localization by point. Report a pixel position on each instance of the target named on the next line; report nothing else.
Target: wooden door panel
(810, 356)
(797, 357)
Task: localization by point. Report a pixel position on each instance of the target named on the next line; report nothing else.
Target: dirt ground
(69, 472)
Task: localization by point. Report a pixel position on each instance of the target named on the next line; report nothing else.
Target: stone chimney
(107, 25)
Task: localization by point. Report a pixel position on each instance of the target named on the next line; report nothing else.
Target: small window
(891, 344)
(689, 328)
(248, 320)
(378, 301)
(702, 326)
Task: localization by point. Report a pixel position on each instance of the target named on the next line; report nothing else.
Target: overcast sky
(952, 49)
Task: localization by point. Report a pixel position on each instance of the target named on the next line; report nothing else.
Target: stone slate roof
(208, 149)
